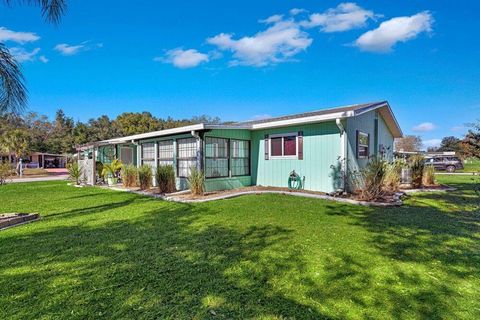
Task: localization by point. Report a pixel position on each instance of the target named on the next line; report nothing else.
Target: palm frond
(52, 10)
(13, 94)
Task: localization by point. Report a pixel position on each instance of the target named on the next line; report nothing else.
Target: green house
(324, 148)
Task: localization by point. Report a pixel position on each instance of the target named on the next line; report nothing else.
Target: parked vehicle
(449, 164)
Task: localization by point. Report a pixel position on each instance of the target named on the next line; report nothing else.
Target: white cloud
(424, 127)
(22, 55)
(458, 128)
(15, 36)
(272, 19)
(43, 59)
(390, 32)
(279, 43)
(346, 16)
(183, 58)
(296, 11)
(432, 143)
(70, 50)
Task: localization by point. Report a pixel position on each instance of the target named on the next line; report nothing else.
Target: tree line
(466, 147)
(35, 132)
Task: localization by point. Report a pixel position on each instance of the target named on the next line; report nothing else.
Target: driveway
(36, 179)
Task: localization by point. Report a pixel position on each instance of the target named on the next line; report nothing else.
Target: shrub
(6, 171)
(417, 164)
(393, 173)
(74, 172)
(145, 177)
(196, 180)
(129, 174)
(165, 177)
(372, 177)
(428, 176)
(111, 169)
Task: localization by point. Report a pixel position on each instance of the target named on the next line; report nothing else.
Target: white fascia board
(303, 120)
(226, 126)
(159, 133)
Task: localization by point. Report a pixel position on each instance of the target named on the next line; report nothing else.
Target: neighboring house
(324, 147)
(38, 160)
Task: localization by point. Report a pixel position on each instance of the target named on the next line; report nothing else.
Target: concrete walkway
(37, 179)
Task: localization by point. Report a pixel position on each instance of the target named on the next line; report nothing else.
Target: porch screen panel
(240, 153)
(148, 154)
(126, 155)
(216, 157)
(186, 156)
(165, 153)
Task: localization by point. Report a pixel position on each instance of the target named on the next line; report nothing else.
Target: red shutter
(266, 147)
(300, 145)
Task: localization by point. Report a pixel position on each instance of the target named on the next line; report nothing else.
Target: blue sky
(241, 60)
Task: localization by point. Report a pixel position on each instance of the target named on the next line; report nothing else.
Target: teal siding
(227, 183)
(321, 151)
(385, 138)
(366, 123)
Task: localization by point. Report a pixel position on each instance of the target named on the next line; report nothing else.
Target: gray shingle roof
(353, 107)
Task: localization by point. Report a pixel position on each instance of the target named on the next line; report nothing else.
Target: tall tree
(408, 143)
(471, 142)
(15, 142)
(13, 94)
(62, 137)
(450, 143)
(129, 123)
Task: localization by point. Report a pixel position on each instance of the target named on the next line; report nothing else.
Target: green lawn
(472, 166)
(103, 254)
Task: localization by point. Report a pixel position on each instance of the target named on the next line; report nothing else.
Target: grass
(471, 166)
(104, 254)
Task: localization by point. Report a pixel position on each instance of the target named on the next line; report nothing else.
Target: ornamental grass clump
(372, 177)
(165, 178)
(428, 176)
(74, 172)
(145, 177)
(196, 180)
(129, 174)
(393, 173)
(417, 164)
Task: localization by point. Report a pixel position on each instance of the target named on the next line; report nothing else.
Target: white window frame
(367, 135)
(282, 135)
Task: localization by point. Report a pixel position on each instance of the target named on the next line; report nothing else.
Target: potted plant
(109, 171)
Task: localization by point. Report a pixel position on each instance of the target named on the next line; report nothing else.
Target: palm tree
(16, 142)
(13, 94)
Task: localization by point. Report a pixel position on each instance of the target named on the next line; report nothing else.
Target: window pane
(126, 155)
(363, 139)
(290, 146)
(362, 152)
(165, 162)
(184, 167)
(276, 148)
(216, 147)
(216, 167)
(151, 163)
(240, 167)
(187, 148)
(240, 148)
(148, 151)
(165, 149)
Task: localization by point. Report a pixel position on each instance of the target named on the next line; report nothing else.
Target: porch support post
(343, 154)
(94, 168)
(155, 157)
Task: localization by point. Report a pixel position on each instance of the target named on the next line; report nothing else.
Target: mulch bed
(12, 219)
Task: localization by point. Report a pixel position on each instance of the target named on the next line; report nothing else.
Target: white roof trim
(309, 119)
(154, 134)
